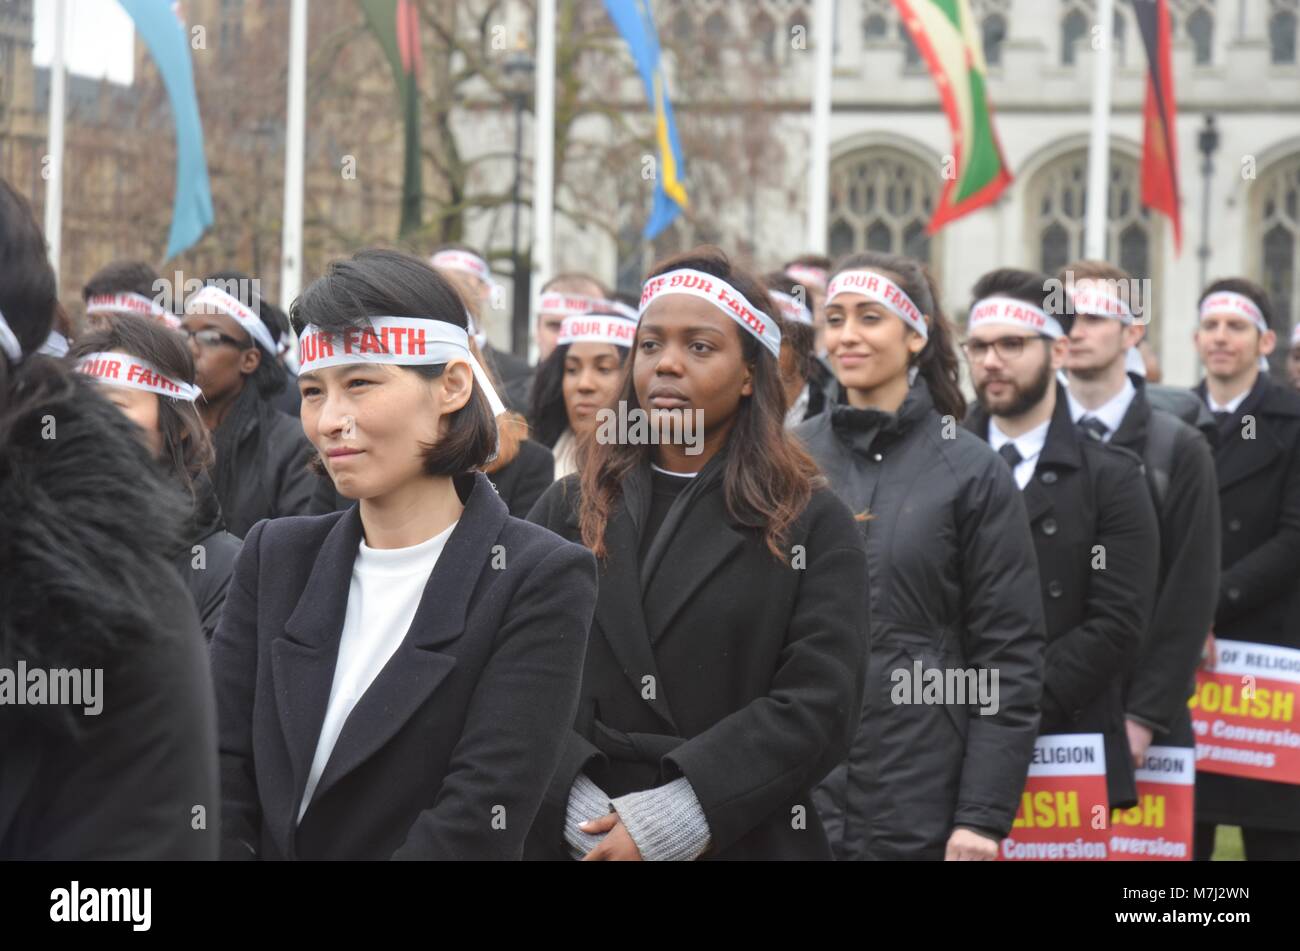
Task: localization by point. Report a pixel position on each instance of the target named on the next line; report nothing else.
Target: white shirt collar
(1110, 412)
(1029, 445)
(1231, 405)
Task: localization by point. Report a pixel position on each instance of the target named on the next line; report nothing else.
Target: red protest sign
(1062, 814)
(1244, 713)
(1159, 827)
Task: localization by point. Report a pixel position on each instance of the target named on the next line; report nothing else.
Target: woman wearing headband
(123, 765)
(803, 376)
(261, 455)
(396, 680)
(147, 372)
(724, 668)
(125, 287)
(581, 376)
(953, 580)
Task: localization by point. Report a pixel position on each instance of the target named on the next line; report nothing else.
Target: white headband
(466, 261)
(8, 342)
(791, 307)
(568, 305)
(1089, 297)
(122, 369)
(213, 299)
(883, 291)
(1017, 313)
(807, 275)
(127, 302)
(721, 295)
(1237, 304)
(401, 341)
(598, 328)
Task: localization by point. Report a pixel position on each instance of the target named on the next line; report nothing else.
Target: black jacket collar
(303, 659)
(859, 428)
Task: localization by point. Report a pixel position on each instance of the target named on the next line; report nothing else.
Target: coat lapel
(302, 661)
(619, 612)
(1236, 458)
(417, 668)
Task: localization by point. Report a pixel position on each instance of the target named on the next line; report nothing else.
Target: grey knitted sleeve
(667, 823)
(587, 801)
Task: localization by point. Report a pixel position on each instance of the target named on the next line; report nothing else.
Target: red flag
(1159, 117)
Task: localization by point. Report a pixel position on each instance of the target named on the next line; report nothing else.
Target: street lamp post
(519, 77)
(1208, 143)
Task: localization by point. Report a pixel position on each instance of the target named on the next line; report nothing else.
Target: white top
(1110, 412)
(1231, 405)
(680, 475)
(795, 414)
(386, 587)
(1029, 445)
(565, 452)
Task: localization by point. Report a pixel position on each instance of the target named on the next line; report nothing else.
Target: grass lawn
(1227, 845)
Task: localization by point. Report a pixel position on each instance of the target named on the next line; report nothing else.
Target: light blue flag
(636, 23)
(165, 35)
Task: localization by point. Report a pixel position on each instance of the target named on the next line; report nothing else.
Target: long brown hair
(937, 362)
(768, 478)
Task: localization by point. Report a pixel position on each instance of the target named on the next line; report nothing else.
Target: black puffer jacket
(268, 476)
(208, 559)
(85, 584)
(954, 584)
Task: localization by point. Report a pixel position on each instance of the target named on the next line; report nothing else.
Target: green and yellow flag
(948, 38)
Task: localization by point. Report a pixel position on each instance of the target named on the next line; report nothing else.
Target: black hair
(187, 447)
(379, 282)
(123, 277)
(29, 296)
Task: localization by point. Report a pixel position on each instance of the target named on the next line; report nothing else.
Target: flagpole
(544, 154)
(1094, 244)
(819, 156)
(291, 247)
(54, 179)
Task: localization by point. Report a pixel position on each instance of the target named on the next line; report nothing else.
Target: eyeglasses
(1007, 348)
(212, 338)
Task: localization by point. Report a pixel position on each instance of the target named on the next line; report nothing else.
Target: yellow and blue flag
(635, 22)
(162, 31)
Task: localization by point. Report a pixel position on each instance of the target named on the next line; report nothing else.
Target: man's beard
(1024, 398)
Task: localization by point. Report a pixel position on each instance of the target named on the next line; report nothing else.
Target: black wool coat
(448, 752)
(1258, 462)
(728, 667)
(1084, 494)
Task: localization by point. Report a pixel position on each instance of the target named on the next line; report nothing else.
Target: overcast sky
(100, 38)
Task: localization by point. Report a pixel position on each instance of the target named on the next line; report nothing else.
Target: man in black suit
(1258, 464)
(1182, 483)
(1094, 527)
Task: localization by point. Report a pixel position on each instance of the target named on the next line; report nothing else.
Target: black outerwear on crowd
(1083, 494)
(522, 480)
(1258, 462)
(516, 377)
(1180, 403)
(953, 585)
(1163, 677)
(448, 752)
(79, 512)
(270, 478)
(208, 559)
(710, 659)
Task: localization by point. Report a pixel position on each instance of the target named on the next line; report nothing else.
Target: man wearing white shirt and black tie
(1110, 402)
(1083, 497)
